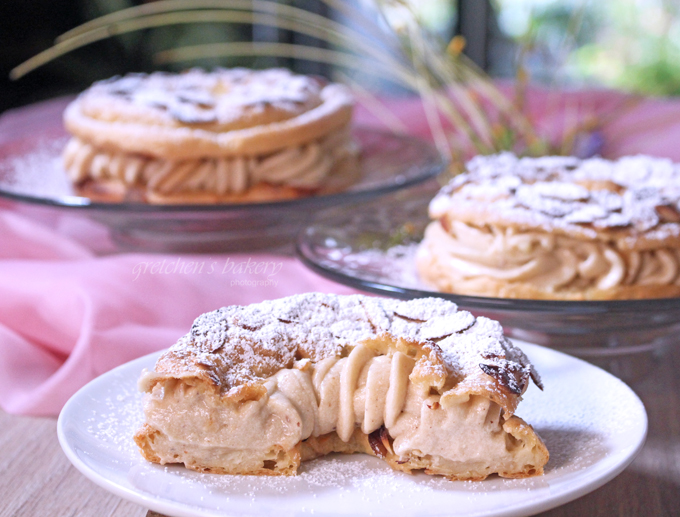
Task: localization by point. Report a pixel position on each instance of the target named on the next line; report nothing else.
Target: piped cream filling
(305, 166)
(363, 390)
(549, 262)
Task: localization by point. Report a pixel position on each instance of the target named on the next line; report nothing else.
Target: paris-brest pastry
(229, 135)
(257, 389)
(556, 228)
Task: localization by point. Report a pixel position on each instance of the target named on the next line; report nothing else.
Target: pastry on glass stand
(556, 228)
(225, 136)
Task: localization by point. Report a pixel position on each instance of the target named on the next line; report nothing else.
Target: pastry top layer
(236, 348)
(222, 112)
(634, 200)
(221, 100)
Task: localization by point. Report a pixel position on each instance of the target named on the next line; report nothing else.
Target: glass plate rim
(302, 245)
(81, 203)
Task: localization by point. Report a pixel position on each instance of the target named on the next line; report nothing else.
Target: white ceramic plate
(592, 423)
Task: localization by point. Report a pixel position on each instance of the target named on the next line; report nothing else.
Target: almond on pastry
(257, 389)
(556, 228)
(225, 136)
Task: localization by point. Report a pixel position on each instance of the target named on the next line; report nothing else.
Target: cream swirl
(305, 166)
(550, 263)
(363, 390)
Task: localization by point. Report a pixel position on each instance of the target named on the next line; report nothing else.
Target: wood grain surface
(36, 479)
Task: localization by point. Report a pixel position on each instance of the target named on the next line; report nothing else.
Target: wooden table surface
(36, 479)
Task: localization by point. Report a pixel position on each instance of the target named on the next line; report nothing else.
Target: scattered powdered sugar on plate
(395, 265)
(358, 474)
(118, 408)
(38, 172)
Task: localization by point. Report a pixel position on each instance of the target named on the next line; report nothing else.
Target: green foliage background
(631, 45)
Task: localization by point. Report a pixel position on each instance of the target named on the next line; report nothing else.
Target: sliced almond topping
(668, 213)
(443, 326)
(511, 377)
(601, 185)
(379, 440)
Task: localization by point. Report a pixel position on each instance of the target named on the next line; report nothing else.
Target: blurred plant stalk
(466, 111)
(479, 118)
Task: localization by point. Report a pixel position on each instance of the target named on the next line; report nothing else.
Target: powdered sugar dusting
(440, 327)
(396, 264)
(199, 97)
(241, 344)
(637, 193)
(38, 173)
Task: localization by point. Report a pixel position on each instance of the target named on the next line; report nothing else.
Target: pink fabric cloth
(629, 124)
(68, 314)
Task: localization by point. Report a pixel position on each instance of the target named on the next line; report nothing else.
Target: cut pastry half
(258, 389)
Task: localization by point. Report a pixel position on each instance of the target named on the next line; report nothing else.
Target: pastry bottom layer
(523, 445)
(157, 447)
